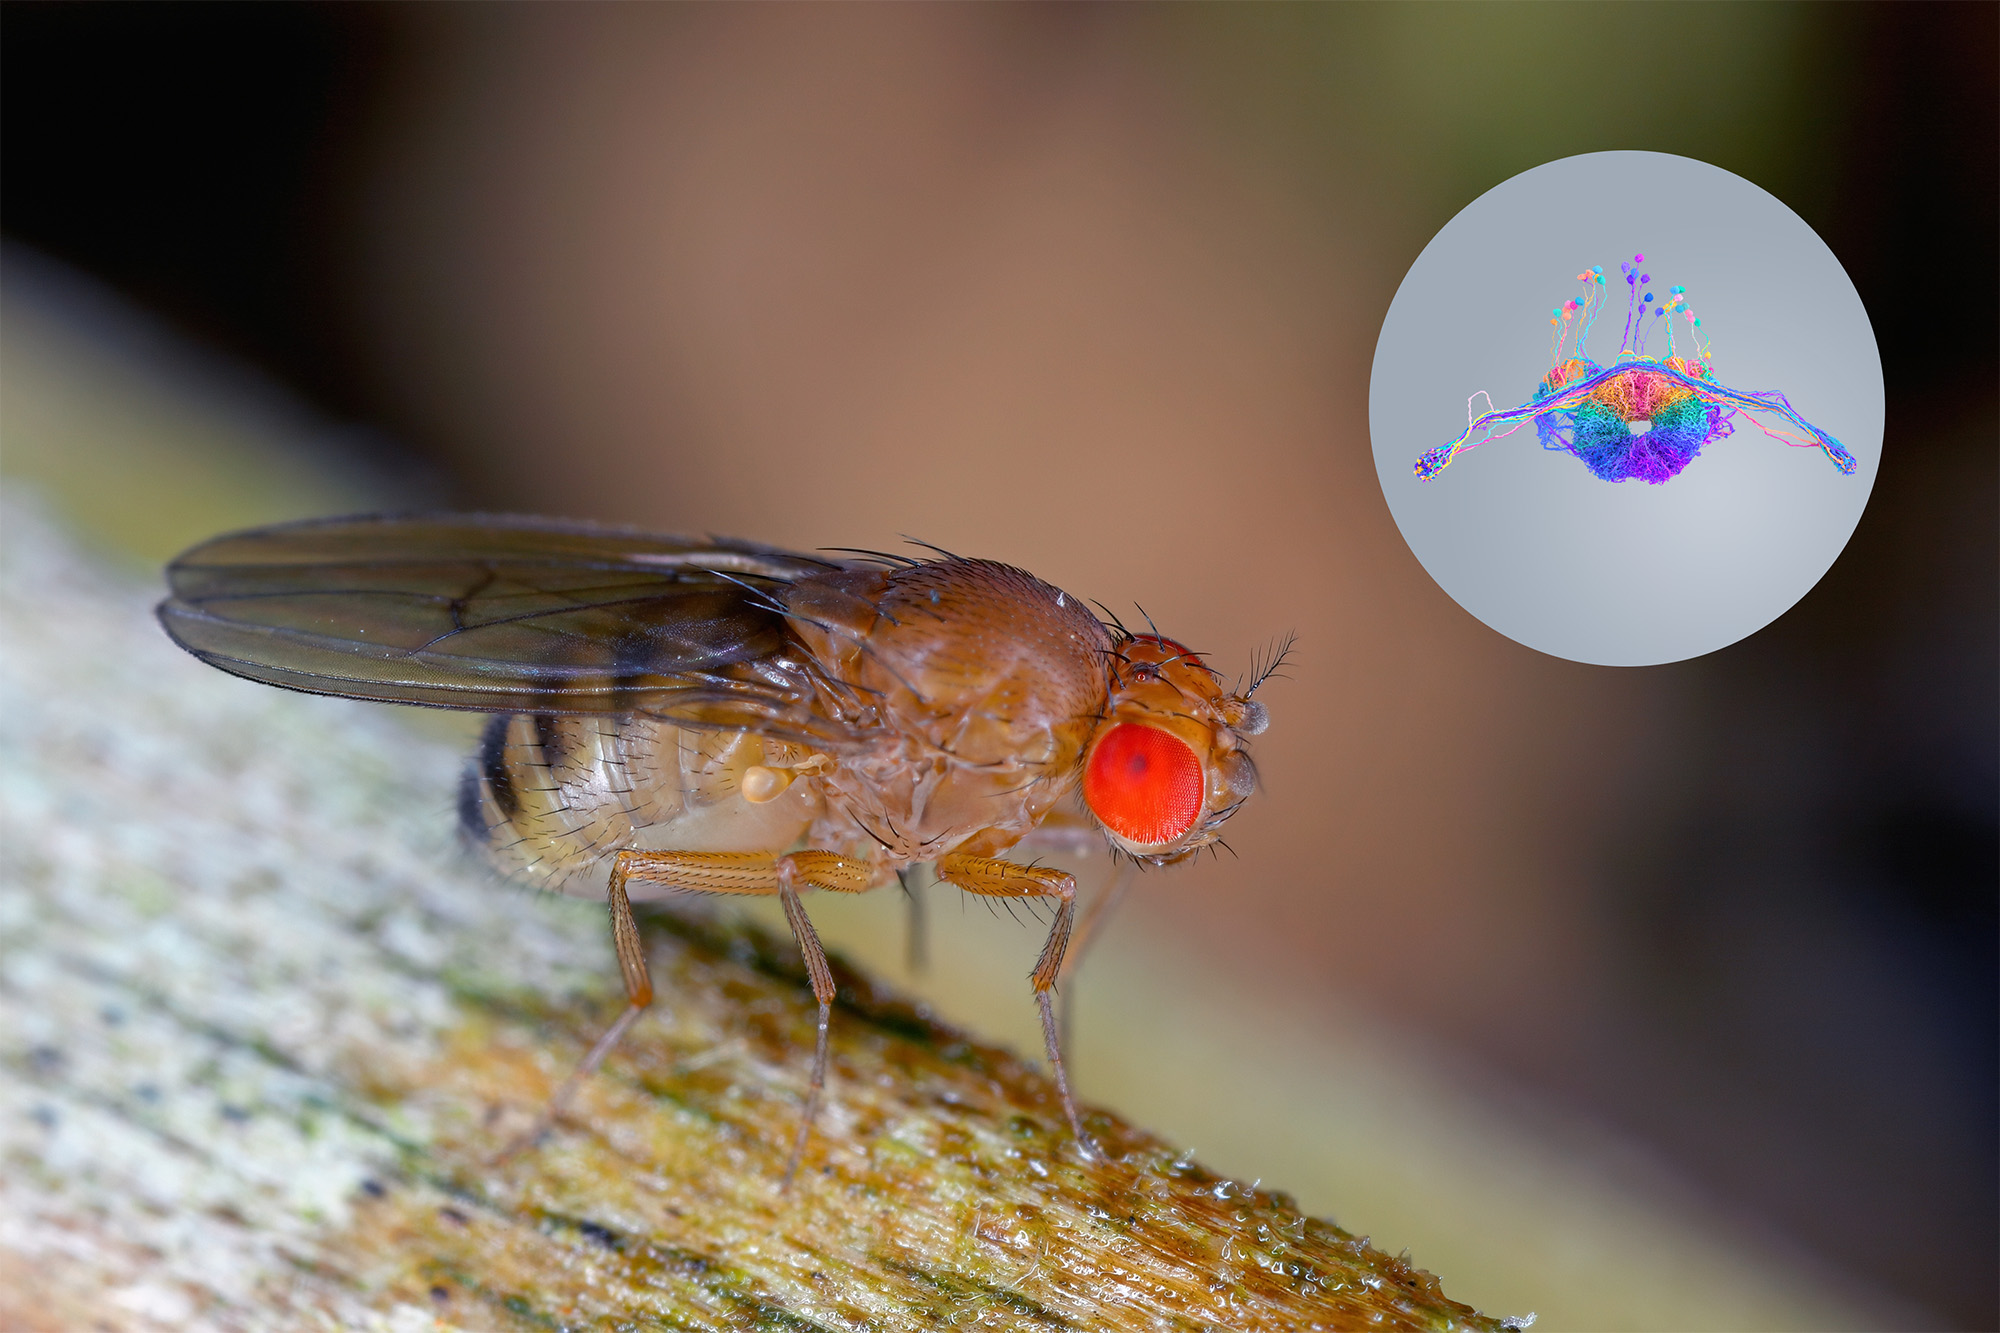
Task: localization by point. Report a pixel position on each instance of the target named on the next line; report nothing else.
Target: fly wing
(504, 614)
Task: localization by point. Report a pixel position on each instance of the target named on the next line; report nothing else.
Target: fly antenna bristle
(1271, 668)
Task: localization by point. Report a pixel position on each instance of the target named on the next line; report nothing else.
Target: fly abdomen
(487, 781)
(546, 798)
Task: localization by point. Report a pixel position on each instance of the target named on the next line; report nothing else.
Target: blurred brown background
(1095, 290)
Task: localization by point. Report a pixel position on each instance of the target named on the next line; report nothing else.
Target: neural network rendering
(1645, 415)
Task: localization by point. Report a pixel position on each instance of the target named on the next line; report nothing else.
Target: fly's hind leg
(638, 992)
(714, 872)
(994, 878)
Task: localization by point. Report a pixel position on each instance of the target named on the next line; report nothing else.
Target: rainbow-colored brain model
(1643, 416)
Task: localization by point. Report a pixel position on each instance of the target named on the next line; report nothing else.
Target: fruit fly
(717, 716)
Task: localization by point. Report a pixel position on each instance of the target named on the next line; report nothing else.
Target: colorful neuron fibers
(1644, 416)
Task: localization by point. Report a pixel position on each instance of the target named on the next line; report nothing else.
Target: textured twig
(263, 1030)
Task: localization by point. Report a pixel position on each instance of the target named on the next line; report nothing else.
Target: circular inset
(1606, 483)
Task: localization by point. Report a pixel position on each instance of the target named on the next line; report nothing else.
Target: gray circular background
(1526, 539)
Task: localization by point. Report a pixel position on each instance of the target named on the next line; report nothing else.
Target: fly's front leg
(760, 873)
(994, 878)
(1088, 932)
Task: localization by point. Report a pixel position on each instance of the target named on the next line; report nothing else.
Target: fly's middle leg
(994, 878)
(916, 926)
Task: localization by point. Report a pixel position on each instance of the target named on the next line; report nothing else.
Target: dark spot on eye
(374, 1189)
(440, 1294)
(451, 1214)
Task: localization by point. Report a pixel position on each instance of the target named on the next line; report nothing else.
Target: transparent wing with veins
(509, 615)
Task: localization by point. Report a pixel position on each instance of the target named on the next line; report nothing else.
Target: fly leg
(638, 992)
(821, 977)
(995, 878)
(916, 927)
(758, 873)
(1088, 931)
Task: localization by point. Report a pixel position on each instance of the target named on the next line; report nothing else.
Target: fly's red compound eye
(1144, 783)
